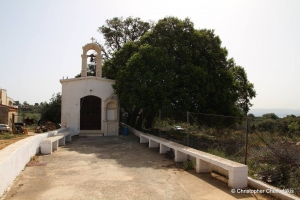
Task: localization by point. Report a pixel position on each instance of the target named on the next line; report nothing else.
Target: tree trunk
(149, 120)
(134, 116)
(139, 124)
(127, 121)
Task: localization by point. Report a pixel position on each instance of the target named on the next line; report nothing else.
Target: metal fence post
(160, 122)
(246, 141)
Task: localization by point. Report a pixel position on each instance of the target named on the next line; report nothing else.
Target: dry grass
(34, 159)
(7, 139)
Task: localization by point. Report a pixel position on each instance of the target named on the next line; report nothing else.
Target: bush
(216, 152)
(7, 135)
(178, 135)
(52, 111)
(188, 165)
(267, 125)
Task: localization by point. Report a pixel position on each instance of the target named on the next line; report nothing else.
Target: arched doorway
(90, 113)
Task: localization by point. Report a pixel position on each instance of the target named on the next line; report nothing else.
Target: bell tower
(94, 46)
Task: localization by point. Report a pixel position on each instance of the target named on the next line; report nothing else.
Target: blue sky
(41, 41)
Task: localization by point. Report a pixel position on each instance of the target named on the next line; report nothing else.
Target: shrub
(7, 135)
(188, 165)
(216, 152)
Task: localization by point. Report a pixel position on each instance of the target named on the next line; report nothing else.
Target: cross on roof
(93, 39)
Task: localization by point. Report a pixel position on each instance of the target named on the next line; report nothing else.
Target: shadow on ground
(117, 167)
(128, 152)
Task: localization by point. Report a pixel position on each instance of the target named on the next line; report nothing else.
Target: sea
(279, 112)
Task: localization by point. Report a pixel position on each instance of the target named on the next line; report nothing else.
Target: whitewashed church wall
(73, 90)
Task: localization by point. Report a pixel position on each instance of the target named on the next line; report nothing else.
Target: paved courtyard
(114, 168)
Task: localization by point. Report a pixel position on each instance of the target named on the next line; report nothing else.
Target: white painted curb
(251, 182)
(278, 193)
(14, 158)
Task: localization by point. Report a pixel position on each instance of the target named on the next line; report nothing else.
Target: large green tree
(177, 67)
(117, 31)
(52, 111)
(243, 87)
(142, 86)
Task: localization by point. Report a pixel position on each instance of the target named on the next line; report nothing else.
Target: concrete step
(91, 134)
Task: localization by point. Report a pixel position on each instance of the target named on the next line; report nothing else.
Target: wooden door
(90, 113)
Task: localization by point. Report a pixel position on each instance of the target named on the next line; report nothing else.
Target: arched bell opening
(91, 56)
(91, 62)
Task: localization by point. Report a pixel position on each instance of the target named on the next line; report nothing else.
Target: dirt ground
(5, 142)
(114, 168)
(14, 138)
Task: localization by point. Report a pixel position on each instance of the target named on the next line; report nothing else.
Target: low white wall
(271, 190)
(14, 157)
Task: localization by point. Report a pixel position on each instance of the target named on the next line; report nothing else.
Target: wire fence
(272, 157)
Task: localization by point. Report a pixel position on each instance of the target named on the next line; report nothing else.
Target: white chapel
(89, 106)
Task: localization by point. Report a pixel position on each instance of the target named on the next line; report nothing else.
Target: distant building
(7, 108)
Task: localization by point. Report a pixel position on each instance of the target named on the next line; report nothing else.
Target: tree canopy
(177, 67)
(270, 122)
(52, 111)
(91, 69)
(117, 31)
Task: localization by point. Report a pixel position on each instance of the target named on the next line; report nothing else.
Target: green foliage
(216, 152)
(7, 135)
(294, 181)
(91, 69)
(143, 80)
(270, 116)
(118, 31)
(52, 111)
(281, 126)
(30, 111)
(188, 165)
(178, 135)
(270, 122)
(177, 67)
(244, 88)
(35, 116)
(251, 116)
(266, 125)
(271, 156)
(119, 60)
(253, 166)
(293, 127)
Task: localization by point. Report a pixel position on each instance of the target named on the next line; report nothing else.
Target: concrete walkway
(114, 168)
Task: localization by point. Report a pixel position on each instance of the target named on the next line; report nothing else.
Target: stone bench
(49, 144)
(237, 173)
(66, 137)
